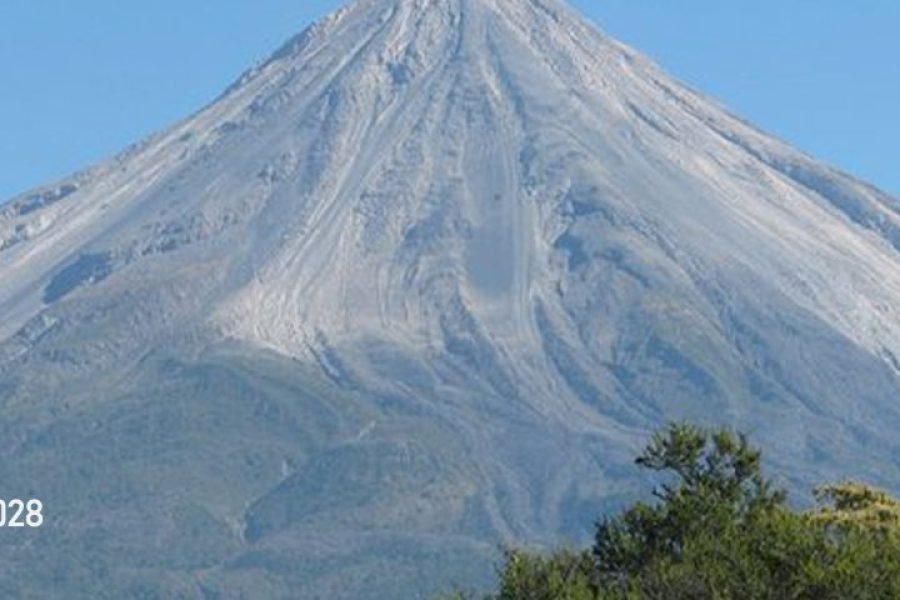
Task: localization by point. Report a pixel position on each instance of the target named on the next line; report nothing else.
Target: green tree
(719, 530)
(855, 505)
(563, 575)
(718, 491)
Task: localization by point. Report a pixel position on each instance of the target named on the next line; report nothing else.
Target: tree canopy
(719, 529)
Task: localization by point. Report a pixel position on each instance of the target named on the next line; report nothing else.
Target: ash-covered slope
(420, 283)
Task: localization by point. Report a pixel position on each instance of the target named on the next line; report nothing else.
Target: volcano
(418, 285)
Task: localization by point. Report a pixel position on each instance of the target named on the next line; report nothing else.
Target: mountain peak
(441, 18)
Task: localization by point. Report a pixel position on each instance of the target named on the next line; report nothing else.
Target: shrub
(719, 529)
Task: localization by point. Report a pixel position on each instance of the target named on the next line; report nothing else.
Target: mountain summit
(417, 285)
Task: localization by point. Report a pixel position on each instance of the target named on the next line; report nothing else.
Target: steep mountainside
(418, 284)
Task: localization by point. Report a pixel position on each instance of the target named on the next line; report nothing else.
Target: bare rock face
(420, 284)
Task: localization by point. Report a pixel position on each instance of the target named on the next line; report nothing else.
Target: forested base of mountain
(720, 530)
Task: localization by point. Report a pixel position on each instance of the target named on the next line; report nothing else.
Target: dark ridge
(88, 269)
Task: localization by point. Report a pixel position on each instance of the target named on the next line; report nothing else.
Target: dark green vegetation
(236, 475)
(718, 530)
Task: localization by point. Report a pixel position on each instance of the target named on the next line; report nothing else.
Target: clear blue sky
(81, 80)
